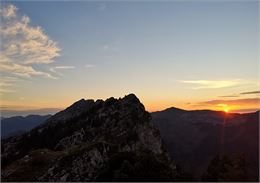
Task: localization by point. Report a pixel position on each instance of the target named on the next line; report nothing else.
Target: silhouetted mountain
(111, 140)
(19, 124)
(194, 138)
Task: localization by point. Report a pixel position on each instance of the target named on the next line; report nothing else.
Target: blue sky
(167, 53)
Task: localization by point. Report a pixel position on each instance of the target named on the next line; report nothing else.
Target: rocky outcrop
(76, 138)
(91, 140)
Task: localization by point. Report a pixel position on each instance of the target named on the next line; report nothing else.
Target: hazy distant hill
(194, 138)
(7, 113)
(19, 124)
(111, 140)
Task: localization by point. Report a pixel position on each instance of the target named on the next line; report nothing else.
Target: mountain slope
(112, 140)
(194, 138)
(16, 124)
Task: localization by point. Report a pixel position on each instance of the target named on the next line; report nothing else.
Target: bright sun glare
(226, 110)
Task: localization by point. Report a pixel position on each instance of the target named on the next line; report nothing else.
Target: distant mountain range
(19, 124)
(194, 138)
(7, 113)
(117, 140)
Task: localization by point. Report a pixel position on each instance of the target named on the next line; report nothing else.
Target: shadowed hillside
(194, 138)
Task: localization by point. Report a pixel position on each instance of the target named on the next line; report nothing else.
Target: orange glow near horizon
(228, 106)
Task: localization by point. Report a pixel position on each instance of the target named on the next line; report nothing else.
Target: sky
(189, 54)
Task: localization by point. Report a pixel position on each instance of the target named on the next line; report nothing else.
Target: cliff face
(111, 140)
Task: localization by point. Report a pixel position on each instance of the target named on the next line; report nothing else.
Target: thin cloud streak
(212, 84)
(6, 90)
(233, 101)
(229, 96)
(251, 92)
(65, 67)
(24, 71)
(89, 66)
(57, 69)
(7, 84)
(239, 95)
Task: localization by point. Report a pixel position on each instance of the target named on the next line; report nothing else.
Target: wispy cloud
(7, 81)
(65, 67)
(24, 45)
(23, 70)
(10, 11)
(6, 90)
(212, 84)
(89, 66)
(251, 92)
(57, 69)
(7, 84)
(240, 94)
(229, 96)
(241, 102)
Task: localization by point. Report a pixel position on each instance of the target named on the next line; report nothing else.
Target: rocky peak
(131, 98)
(90, 133)
(82, 103)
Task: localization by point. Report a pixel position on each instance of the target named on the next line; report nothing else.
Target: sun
(226, 110)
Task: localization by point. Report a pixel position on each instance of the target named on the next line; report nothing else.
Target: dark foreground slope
(112, 140)
(20, 124)
(196, 138)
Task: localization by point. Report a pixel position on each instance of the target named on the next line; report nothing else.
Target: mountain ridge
(88, 141)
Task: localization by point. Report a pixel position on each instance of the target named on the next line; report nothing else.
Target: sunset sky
(190, 55)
